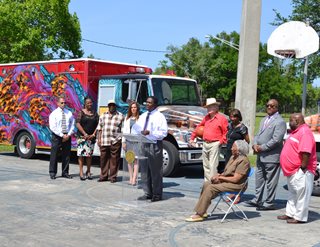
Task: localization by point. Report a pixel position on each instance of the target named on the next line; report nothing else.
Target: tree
(38, 30)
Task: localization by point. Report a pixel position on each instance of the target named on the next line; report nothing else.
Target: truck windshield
(170, 91)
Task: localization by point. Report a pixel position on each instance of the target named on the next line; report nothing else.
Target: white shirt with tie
(157, 125)
(55, 122)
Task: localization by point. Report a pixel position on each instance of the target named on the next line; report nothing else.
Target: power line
(124, 47)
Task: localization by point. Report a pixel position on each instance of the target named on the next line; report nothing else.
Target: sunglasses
(62, 103)
(271, 106)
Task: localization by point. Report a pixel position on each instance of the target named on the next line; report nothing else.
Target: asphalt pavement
(38, 211)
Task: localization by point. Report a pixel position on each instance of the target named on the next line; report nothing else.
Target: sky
(154, 25)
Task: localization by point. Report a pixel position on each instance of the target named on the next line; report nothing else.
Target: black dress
(233, 134)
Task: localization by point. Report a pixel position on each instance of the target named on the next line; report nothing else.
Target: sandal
(194, 218)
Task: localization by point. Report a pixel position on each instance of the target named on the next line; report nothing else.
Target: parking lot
(38, 211)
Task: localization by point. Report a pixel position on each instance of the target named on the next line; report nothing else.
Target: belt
(206, 141)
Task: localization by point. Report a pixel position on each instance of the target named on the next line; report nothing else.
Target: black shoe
(264, 208)
(67, 176)
(102, 180)
(83, 178)
(53, 176)
(144, 198)
(156, 198)
(251, 204)
(89, 176)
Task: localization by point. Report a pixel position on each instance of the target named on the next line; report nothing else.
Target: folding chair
(224, 196)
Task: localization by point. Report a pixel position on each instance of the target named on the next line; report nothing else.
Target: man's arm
(236, 178)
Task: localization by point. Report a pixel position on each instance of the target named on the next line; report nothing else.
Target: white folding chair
(224, 196)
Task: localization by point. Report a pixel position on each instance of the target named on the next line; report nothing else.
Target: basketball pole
(304, 91)
(247, 74)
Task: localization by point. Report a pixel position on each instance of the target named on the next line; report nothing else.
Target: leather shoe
(251, 204)
(264, 208)
(156, 198)
(53, 177)
(102, 180)
(294, 221)
(283, 217)
(144, 198)
(67, 176)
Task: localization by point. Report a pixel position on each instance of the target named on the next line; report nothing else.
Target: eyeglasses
(271, 106)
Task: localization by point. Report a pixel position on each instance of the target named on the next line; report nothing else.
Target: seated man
(232, 179)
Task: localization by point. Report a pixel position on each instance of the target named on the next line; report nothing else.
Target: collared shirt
(300, 140)
(268, 119)
(55, 121)
(215, 129)
(157, 125)
(110, 127)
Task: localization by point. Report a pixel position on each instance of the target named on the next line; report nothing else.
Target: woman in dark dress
(86, 123)
(236, 131)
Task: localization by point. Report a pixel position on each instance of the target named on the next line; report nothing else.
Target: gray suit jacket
(271, 139)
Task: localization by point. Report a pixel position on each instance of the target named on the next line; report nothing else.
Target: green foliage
(38, 30)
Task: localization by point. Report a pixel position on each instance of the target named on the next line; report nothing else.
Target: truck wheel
(170, 158)
(25, 145)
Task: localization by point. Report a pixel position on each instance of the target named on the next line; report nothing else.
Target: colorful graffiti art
(28, 96)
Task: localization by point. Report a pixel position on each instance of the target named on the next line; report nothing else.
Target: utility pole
(247, 75)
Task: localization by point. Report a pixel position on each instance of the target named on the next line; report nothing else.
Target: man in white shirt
(61, 123)
(153, 125)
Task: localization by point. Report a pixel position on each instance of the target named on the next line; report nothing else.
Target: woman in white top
(130, 120)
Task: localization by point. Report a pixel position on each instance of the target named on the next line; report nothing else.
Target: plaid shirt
(110, 128)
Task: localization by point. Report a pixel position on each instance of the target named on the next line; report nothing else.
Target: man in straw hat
(214, 134)
(109, 141)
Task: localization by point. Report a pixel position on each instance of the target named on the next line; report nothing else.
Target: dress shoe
(67, 176)
(53, 176)
(83, 178)
(144, 198)
(264, 208)
(294, 221)
(251, 204)
(283, 217)
(102, 180)
(156, 198)
(89, 176)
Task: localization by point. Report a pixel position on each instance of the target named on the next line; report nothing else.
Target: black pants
(152, 172)
(56, 146)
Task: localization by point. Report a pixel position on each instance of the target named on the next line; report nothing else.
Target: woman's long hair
(129, 114)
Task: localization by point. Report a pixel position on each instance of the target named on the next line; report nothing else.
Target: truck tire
(25, 145)
(170, 158)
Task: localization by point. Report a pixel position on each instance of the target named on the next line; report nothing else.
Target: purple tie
(146, 123)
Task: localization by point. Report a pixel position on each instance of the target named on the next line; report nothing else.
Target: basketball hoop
(286, 53)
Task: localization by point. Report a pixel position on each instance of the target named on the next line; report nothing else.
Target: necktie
(64, 123)
(146, 123)
(265, 124)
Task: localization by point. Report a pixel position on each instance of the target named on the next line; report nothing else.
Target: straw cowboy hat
(111, 102)
(211, 101)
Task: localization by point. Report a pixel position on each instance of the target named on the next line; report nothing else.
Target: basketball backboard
(293, 39)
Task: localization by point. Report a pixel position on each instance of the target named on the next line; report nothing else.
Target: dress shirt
(215, 129)
(55, 121)
(157, 125)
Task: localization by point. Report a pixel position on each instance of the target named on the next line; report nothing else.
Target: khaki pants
(210, 157)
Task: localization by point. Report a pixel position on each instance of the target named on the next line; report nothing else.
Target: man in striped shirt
(109, 141)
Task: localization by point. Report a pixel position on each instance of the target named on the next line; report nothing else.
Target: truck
(28, 94)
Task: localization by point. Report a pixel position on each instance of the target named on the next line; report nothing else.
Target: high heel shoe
(82, 178)
(89, 176)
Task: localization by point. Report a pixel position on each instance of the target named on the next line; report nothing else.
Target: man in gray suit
(267, 145)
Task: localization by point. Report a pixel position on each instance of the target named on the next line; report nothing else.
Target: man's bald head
(296, 119)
